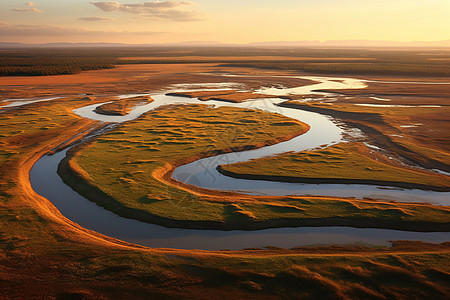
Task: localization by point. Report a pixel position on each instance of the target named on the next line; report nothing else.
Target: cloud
(107, 6)
(8, 30)
(33, 10)
(168, 10)
(95, 19)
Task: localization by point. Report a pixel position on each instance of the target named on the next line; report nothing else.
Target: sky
(224, 21)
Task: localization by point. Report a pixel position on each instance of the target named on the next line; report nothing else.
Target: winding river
(324, 131)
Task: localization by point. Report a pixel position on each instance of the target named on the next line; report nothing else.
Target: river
(324, 131)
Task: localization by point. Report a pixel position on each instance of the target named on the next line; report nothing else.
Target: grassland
(353, 68)
(417, 134)
(345, 163)
(320, 61)
(29, 62)
(43, 255)
(129, 172)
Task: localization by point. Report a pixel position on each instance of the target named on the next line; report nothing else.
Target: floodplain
(391, 128)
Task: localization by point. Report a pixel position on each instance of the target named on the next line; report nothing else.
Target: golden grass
(120, 163)
(348, 161)
(425, 143)
(132, 166)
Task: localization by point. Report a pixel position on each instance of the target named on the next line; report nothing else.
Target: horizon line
(301, 43)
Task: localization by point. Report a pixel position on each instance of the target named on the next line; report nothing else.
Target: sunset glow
(232, 21)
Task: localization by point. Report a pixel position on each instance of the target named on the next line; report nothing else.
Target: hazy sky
(227, 21)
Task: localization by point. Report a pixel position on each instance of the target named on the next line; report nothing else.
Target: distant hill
(356, 43)
(63, 45)
(332, 43)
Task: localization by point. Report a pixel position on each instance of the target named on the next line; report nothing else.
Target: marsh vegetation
(345, 162)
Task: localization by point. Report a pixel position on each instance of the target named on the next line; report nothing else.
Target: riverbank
(226, 96)
(373, 125)
(122, 107)
(344, 163)
(331, 180)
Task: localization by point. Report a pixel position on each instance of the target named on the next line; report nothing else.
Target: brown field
(228, 96)
(131, 78)
(240, 58)
(43, 255)
(392, 99)
(403, 89)
(121, 107)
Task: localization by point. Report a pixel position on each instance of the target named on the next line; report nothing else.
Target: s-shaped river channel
(324, 131)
